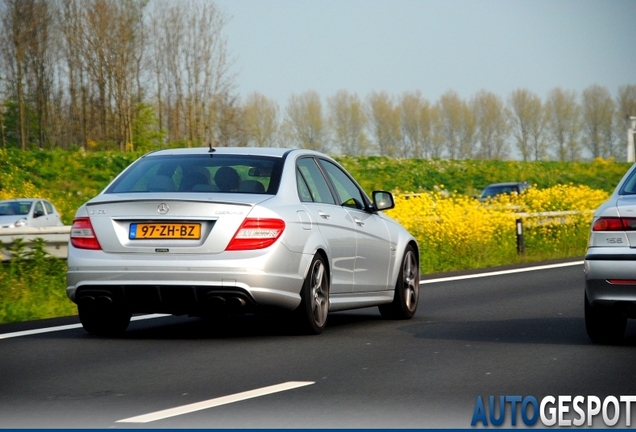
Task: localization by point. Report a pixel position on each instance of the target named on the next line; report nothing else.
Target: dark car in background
(494, 189)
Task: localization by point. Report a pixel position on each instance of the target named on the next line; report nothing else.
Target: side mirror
(38, 213)
(383, 200)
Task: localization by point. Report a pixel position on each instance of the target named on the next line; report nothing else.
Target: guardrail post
(521, 247)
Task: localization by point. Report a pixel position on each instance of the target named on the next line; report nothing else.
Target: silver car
(610, 264)
(238, 230)
(28, 213)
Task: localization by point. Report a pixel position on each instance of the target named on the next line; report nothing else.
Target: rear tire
(407, 289)
(312, 313)
(103, 321)
(603, 325)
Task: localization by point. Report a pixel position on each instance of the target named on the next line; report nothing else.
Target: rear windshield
(201, 174)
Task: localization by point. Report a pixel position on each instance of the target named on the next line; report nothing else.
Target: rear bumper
(607, 279)
(188, 284)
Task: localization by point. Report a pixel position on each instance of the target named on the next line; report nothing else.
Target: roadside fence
(55, 238)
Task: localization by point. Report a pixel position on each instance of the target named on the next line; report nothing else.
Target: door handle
(324, 215)
(358, 222)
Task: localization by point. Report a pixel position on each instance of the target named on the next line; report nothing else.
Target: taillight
(614, 224)
(622, 281)
(256, 233)
(82, 234)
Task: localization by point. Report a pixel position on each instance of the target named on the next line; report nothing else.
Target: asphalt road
(518, 333)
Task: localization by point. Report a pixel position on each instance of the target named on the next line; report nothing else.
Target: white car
(28, 213)
(232, 230)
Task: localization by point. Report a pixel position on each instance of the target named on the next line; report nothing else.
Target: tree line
(565, 126)
(147, 74)
(113, 73)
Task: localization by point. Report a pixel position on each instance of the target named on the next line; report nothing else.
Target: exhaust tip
(216, 301)
(86, 300)
(235, 303)
(104, 301)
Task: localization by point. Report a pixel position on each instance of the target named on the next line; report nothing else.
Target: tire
(603, 325)
(407, 289)
(312, 312)
(103, 321)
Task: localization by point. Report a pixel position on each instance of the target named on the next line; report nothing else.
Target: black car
(494, 189)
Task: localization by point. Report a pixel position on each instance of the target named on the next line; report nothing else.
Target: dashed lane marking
(224, 400)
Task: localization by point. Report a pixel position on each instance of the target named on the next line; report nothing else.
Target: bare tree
(229, 122)
(415, 124)
(191, 68)
(437, 141)
(384, 120)
(456, 125)
(626, 100)
(261, 120)
(167, 29)
(598, 121)
(563, 117)
(528, 124)
(305, 121)
(40, 58)
(491, 120)
(16, 18)
(71, 21)
(347, 123)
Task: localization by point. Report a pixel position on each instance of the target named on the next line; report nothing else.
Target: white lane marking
(501, 272)
(68, 327)
(224, 400)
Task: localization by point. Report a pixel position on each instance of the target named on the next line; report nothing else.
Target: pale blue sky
(285, 47)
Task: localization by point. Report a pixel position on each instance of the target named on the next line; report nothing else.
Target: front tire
(603, 325)
(314, 306)
(407, 289)
(103, 321)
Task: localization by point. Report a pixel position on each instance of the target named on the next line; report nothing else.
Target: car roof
(246, 151)
(22, 200)
(507, 184)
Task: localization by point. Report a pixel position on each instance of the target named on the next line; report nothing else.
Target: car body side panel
(375, 252)
(338, 230)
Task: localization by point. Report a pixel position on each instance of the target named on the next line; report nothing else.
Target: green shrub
(33, 285)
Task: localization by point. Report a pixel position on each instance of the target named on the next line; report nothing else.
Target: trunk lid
(175, 222)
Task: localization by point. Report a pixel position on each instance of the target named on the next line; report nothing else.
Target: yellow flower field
(458, 232)
(455, 231)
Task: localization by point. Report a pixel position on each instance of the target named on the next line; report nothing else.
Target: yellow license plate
(141, 231)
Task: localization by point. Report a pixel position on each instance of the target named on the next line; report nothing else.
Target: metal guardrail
(56, 239)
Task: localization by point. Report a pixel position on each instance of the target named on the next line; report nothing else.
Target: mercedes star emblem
(163, 208)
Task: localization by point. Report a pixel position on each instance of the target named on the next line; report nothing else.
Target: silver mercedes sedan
(610, 264)
(215, 231)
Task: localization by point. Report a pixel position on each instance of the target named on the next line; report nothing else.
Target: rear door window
(312, 185)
